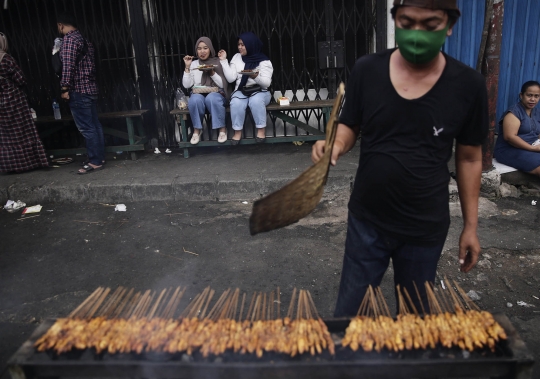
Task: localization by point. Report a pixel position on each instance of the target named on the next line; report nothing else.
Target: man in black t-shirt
(410, 104)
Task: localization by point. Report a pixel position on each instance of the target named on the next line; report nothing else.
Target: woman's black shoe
(235, 142)
(260, 140)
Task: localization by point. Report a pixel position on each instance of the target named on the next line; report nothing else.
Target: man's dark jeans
(367, 256)
(84, 110)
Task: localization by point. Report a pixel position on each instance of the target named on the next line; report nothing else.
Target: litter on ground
(120, 208)
(13, 206)
(32, 209)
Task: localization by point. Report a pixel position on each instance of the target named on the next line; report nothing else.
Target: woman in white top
(214, 102)
(249, 57)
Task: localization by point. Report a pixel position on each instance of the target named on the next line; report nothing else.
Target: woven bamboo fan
(300, 197)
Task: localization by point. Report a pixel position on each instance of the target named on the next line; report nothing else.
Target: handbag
(248, 91)
(204, 89)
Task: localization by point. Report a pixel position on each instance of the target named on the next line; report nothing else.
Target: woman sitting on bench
(210, 89)
(252, 71)
(518, 144)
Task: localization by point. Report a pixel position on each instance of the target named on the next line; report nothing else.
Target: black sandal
(88, 169)
(86, 163)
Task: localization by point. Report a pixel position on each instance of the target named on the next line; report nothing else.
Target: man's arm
(345, 139)
(68, 54)
(469, 176)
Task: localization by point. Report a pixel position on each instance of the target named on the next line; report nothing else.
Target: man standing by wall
(78, 86)
(410, 104)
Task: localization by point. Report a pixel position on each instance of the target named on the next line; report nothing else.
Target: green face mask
(420, 46)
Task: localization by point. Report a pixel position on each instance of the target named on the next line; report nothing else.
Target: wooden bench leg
(326, 111)
(140, 130)
(131, 136)
(184, 134)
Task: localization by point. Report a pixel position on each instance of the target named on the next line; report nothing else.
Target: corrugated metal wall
(520, 51)
(520, 55)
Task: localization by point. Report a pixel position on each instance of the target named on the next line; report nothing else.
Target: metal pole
(331, 72)
(490, 69)
(381, 30)
(483, 43)
(142, 61)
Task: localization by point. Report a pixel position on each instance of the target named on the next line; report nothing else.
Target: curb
(176, 189)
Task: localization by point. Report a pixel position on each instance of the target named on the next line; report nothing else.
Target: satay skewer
(270, 315)
(419, 298)
(251, 304)
(176, 303)
(291, 304)
(107, 304)
(165, 311)
(131, 305)
(98, 303)
(153, 310)
(410, 301)
(126, 298)
(185, 313)
(210, 295)
(278, 303)
(242, 307)
(88, 300)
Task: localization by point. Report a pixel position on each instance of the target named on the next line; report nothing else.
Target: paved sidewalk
(211, 173)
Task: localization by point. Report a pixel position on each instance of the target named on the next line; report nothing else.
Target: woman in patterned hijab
(210, 89)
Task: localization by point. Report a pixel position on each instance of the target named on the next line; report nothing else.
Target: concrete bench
(273, 109)
(133, 120)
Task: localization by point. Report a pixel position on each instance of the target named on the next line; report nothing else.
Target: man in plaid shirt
(79, 87)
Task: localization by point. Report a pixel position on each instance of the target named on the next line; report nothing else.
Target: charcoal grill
(510, 360)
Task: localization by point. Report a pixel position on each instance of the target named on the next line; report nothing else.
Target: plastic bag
(57, 45)
(181, 99)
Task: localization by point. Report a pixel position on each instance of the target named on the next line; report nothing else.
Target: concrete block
(185, 189)
(508, 190)
(490, 182)
(245, 189)
(30, 195)
(3, 195)
(154, 191)
(530, 192)
(109, 192)
(68, 193)
(519, 178)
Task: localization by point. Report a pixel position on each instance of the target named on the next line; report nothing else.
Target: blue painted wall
(520, 50)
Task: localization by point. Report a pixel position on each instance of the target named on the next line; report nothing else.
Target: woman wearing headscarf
(20, 146)
(213, 102)
(249, 57)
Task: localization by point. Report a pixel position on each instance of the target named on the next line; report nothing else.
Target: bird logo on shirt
(437, 131)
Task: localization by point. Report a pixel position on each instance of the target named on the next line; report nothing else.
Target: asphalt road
(50, 263)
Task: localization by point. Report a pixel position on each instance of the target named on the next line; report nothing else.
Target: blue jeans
(257, 104)
(84, 110)
(367, 256)
(214, 102)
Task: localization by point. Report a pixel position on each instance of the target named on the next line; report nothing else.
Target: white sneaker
(222, 137)
(195, 139)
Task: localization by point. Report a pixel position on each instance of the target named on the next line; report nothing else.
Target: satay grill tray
(511, 359)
